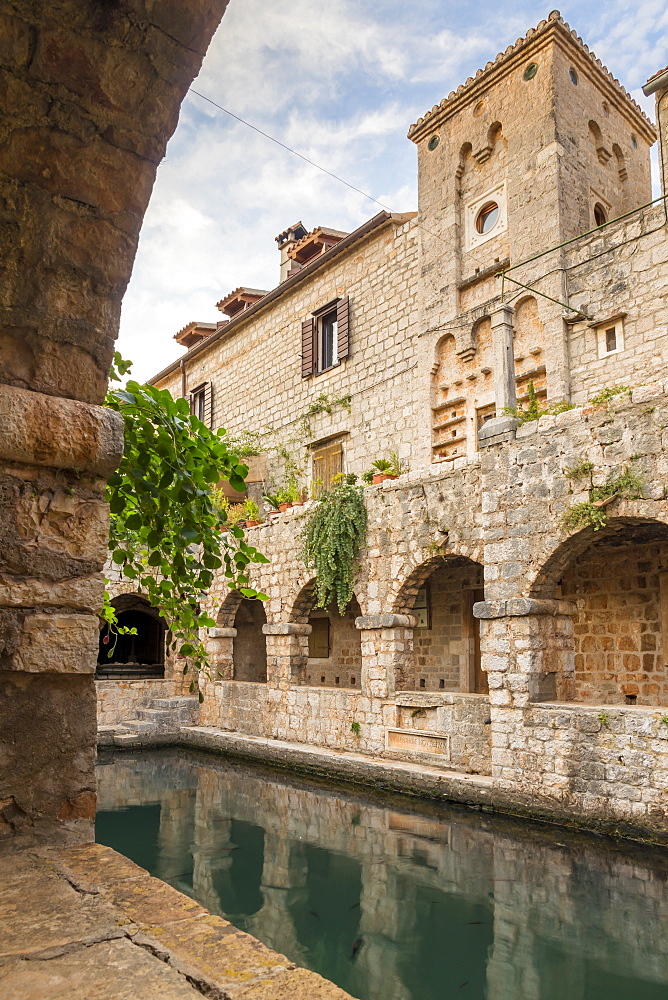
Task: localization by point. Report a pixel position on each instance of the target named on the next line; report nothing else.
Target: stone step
(137, 726)
(186, 701)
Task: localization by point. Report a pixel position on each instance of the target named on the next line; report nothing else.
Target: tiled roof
(313, 235)
(655, 75)
(532, 33)
(239, 292)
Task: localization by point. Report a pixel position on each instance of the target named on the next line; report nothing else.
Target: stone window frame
(601, 330)
(474, 239)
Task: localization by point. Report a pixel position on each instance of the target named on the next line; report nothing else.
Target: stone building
(484, 636)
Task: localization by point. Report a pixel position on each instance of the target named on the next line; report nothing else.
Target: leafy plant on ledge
(334, 531)
(533, 409)
(593, 512)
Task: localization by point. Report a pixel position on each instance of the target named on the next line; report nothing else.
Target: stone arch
(616, 580)
(334, 646)
(465, 152)
(228, 609)
(595, 133)
(528, 345)
(440, 594)
(139, 655)
(622, 172)
(448, 406)
(494, 133)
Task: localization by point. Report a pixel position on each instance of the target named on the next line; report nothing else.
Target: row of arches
(616, 580)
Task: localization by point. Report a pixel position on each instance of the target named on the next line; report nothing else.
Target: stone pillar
(527, 650)
(93, 95)
(220, 646)
(502, 426)
(387, 647)
(287, 653)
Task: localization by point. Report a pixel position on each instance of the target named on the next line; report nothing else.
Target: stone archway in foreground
(91, 94)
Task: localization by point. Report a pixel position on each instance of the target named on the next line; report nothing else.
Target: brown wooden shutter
(343, 327)
(308, 329)
(318, 641)
(208, 404)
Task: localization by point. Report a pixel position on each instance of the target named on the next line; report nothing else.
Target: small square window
(610, 338)
(421, 608)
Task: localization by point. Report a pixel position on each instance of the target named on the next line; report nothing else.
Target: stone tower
(542, 145)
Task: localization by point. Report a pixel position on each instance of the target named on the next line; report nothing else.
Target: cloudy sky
(340, 81)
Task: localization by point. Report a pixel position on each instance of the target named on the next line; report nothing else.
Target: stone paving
(85, 923)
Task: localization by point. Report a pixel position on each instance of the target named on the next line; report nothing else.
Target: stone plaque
(417, 742)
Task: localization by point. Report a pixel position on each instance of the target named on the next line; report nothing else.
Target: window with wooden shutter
(318, 641)
(343, 328)
(201, 403)
(327, 463)
(308, 347)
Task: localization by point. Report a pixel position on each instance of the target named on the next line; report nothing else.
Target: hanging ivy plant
(334, 532)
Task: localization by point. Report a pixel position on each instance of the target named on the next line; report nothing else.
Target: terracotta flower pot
(380, 477)
(252, 524)
(284, 506)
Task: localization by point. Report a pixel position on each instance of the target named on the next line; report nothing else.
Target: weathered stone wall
(90, 96)
(618, 634)
(120, 700)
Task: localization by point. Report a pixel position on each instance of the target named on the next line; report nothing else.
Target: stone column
(220, 646)
(387, 648)
(527, 651)
(502, 426)
(287, 653)
(92, 96)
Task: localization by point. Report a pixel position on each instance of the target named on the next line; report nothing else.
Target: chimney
(658, 84)
(285, 240)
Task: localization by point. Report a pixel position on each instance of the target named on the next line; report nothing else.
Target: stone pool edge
(422, 781)
(88, 916)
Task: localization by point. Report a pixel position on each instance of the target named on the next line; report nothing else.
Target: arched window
(134, 655)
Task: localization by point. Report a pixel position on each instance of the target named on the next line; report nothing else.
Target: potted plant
(236, 515)
(283, 497)
(252, 514)
(382, 470)
(271, 500)
(221, 505)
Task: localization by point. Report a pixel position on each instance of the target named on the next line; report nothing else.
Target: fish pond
(394, 899)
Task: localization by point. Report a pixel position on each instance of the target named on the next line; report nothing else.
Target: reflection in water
(395, 902)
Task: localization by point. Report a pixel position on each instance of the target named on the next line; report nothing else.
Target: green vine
(605, 395)
(166, 514)
(331, 539)
(592, 513)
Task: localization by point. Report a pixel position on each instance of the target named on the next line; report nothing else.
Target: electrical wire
(419, 225)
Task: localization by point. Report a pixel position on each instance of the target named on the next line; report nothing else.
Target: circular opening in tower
(487, 218)
(573, 75)
(600, 215)
(530, 71)
(433, 143)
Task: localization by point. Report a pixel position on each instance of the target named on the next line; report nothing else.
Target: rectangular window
(327, 341)
(318, 641)
(327, 463)
(325, 337)
(610, 337)
(201, 398)
(421, 608)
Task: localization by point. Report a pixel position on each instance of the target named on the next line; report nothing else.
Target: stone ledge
(59, 433)
(385, 621)
(286, 628)
(519, 607)
(96, 924)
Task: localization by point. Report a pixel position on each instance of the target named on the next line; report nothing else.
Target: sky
(340, 81)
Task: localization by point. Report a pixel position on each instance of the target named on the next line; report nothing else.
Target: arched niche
(440, 594)
(529, 340)
(334, 644)
(617, 579)
(133, 656)
(249, 649)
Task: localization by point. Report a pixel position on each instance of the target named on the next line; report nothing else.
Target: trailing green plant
(603, 397)
(592, 513)
(334, 531)
(603, 718)
(664, 720)
(383, 466)
(166, 510)
(533, 410)
(355, 729)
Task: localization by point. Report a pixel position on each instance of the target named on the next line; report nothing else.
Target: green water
(394, 900)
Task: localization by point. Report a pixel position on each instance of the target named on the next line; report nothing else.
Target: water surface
(394, 900)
